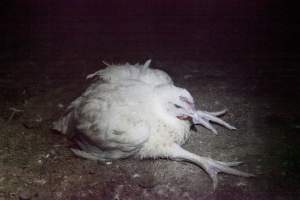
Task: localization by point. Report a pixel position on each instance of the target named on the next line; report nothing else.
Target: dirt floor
(261, 95)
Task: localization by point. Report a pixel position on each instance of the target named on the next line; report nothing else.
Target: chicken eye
(177, 106)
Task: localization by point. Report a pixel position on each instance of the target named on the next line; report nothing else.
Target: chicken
(134, 110)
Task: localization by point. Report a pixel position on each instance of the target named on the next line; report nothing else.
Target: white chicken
(133, 110)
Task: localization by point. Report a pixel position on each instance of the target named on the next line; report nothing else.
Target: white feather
(123, 72)
(136, 110)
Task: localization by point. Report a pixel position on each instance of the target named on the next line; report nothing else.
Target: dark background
(201, 29)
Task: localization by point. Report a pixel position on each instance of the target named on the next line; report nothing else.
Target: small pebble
(241, 184)
(40, 181)
(136, 175)
(60, 105)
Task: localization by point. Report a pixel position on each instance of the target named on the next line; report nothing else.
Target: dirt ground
(36, 163)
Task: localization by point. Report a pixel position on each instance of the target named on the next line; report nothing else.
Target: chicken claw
(204, 118)
(211, 167)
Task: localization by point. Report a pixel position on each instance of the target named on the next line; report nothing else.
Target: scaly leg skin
(211, 167)
(204, 118)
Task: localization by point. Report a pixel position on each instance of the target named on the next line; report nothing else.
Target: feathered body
(133, 110)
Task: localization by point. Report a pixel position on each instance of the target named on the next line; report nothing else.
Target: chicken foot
(211, 167)
(204, 118)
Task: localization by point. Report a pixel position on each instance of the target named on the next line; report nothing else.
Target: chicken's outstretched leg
(212, 167)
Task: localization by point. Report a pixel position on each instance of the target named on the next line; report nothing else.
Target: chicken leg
(204, 118)
(211, 167)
